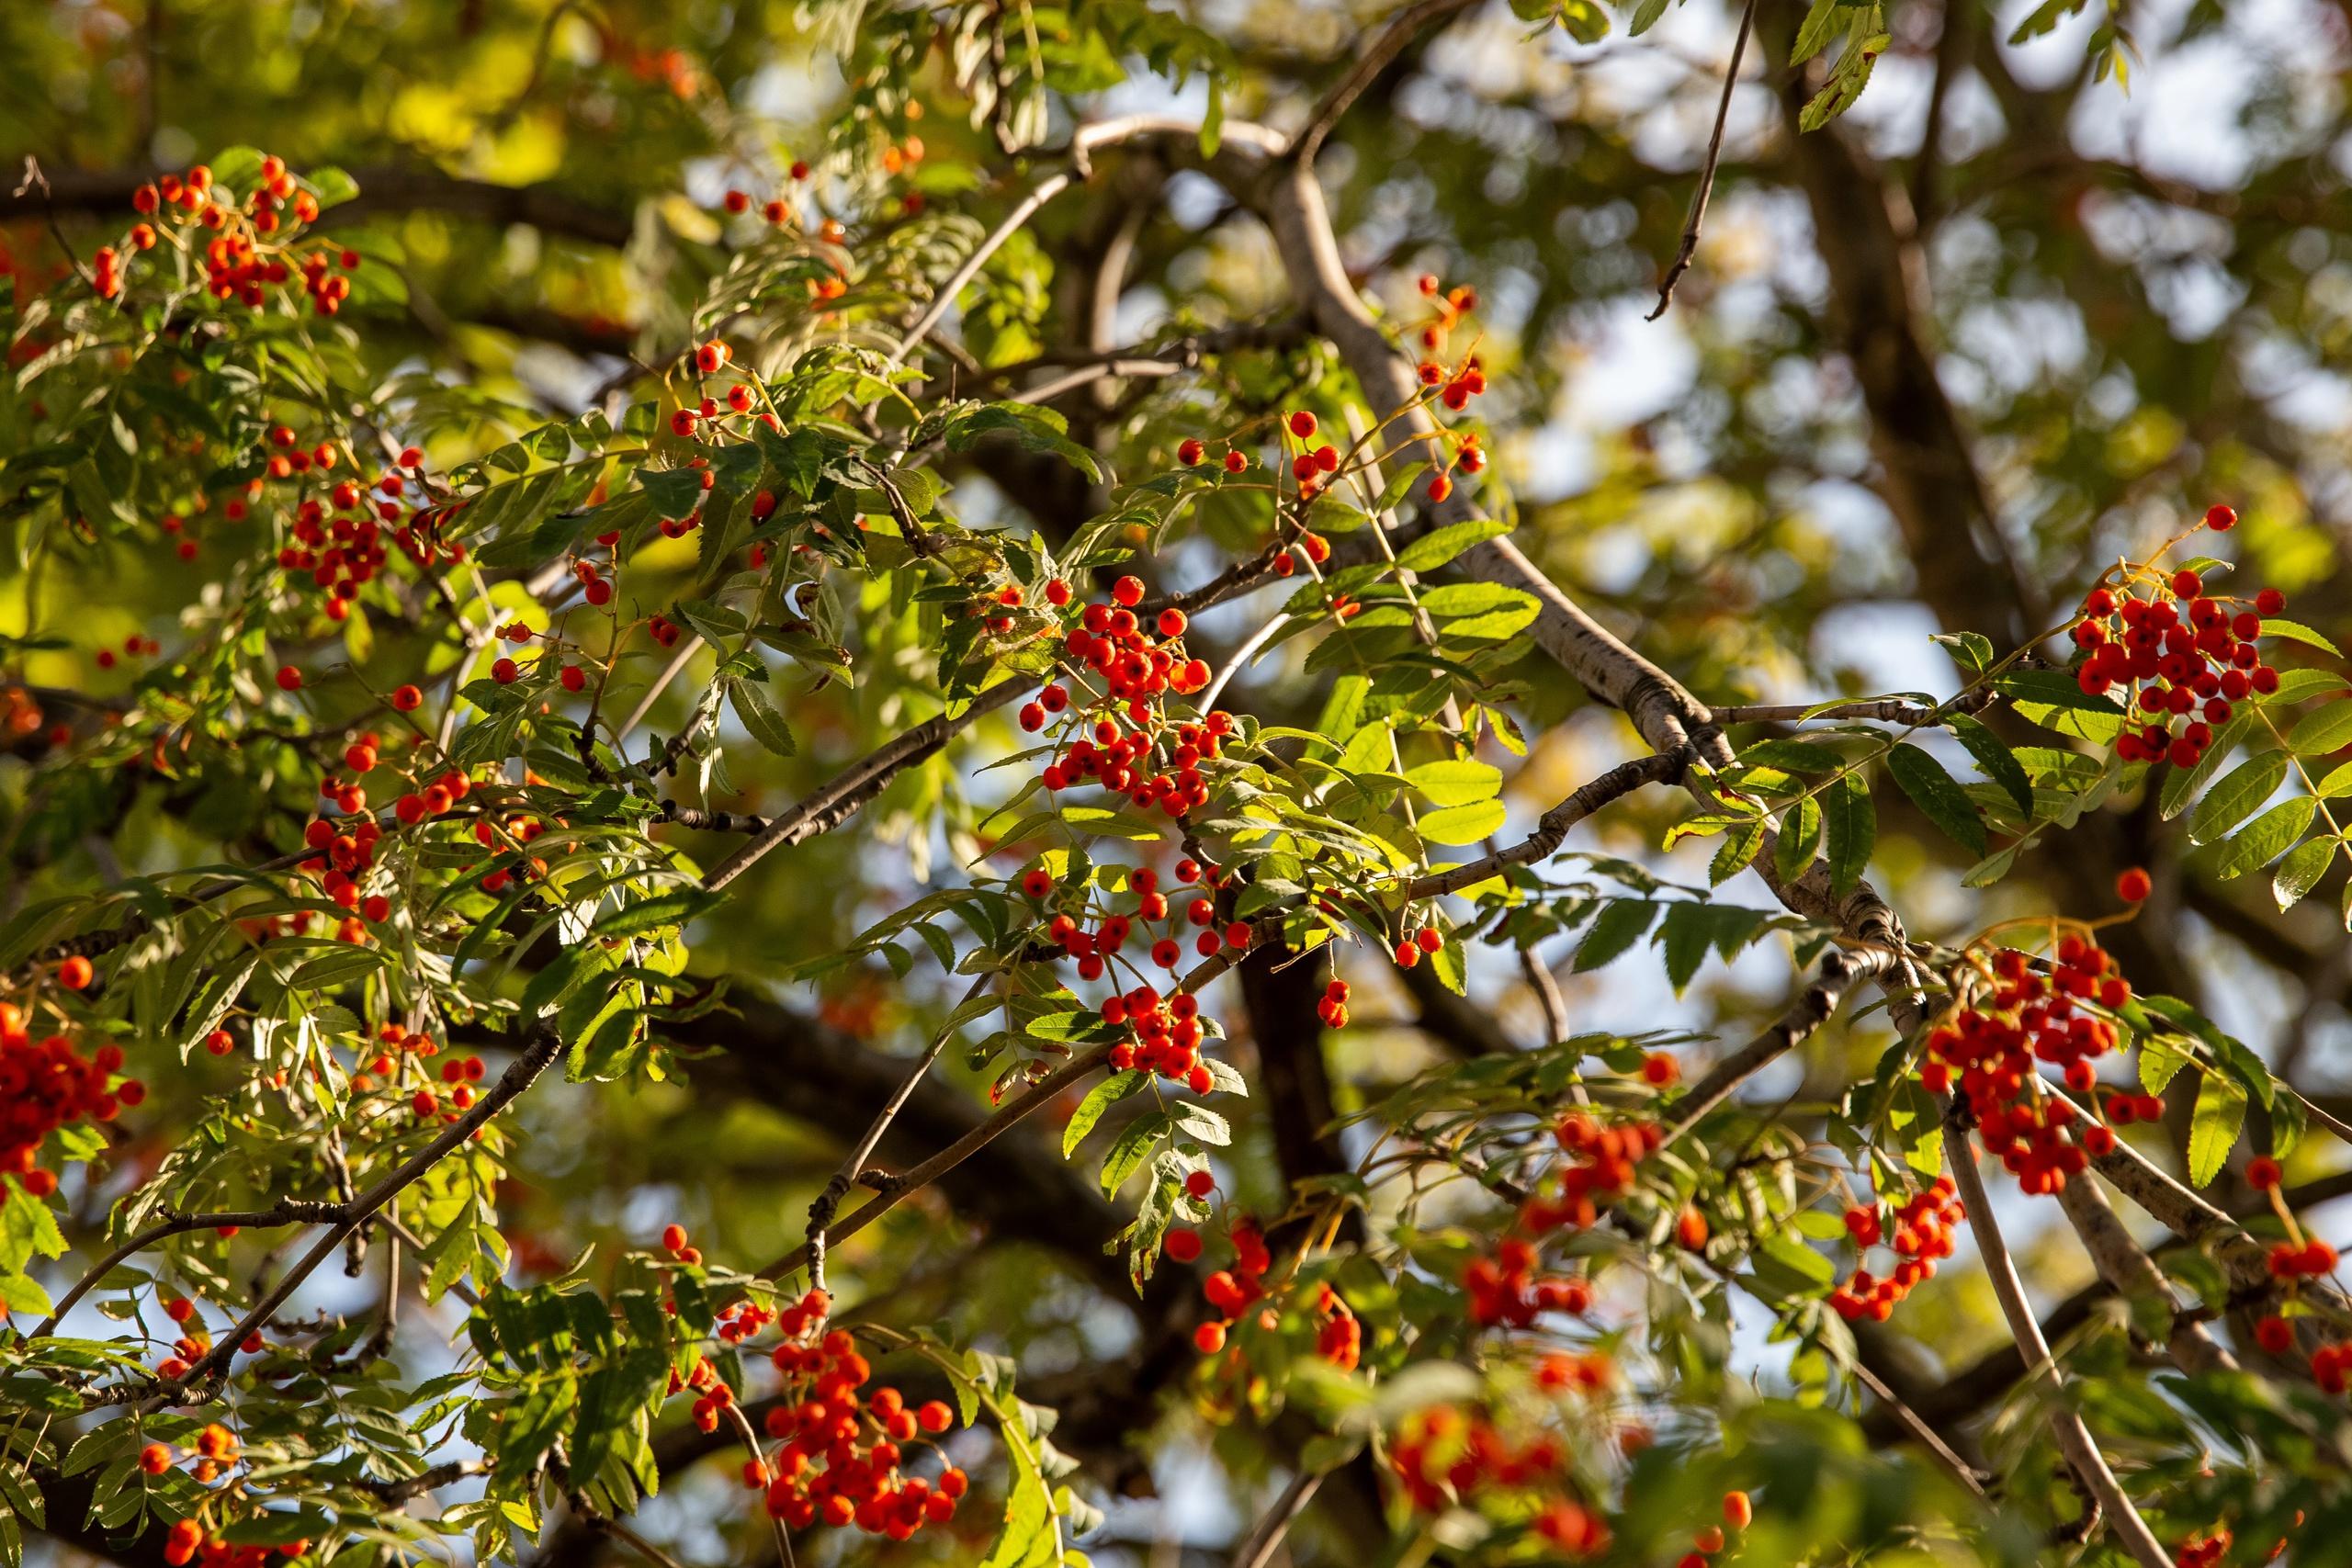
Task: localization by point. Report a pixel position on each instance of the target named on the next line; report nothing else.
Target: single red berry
(2221, 519)
(1302, 425)
(1182, 1245)
(1209, 1338)
(75, 974)
(1190, 451)
(2134, 886)
(2262, 1173)
(288, 678)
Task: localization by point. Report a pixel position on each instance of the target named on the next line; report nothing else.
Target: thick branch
(2073, 1437)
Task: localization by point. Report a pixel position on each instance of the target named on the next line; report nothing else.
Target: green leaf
(2269, 836)
(2300, 871)
(2322, 730)
(1619, 925)
(2295, 631)
(1440, 546)
(1100, 1098)
(660, 912)
(1800, 837)
(1463, 824)
(1999, 763)
(2214, 1127)
(2238, 796)
(761, 716)
(1131, 1148)
(1792, 756)
(1935, 792)
(2182, 783)
(1740, 847)
(1455, 783)
(1850, 829)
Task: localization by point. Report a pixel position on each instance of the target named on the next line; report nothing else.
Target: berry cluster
(214, 1446)
(1444, 1457)
(1504, 1289)
(2181, 657)
(187, 1542)
(338, 542)
(46, 1085)
(1738, 1514)
(841, 1455)
(1601, 1166)
(1922, 1235)
(1989, 1048)
(247, 257)
(1233, 1290)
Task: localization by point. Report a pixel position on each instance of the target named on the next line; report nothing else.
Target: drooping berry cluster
(1987, 1050)
(1232, 1290)
(1507, 1290)
(2179, 658)
(47, 1084)
(251, 254)
(1922, 1235)
(1118, 734)
(841, 1452)
(1603, 1165)
(1446, 1456)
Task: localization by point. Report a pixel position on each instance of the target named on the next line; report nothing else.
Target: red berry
(2133, 885)
(2221, 519)
(288, 678)
(1209, 1338)
(1302, 425)
(1182, 1245)
(75, 973)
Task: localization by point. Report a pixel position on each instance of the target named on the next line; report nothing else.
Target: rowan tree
(957, 782)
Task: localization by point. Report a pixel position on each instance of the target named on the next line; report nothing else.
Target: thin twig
(1689, 247)
(1378, 57)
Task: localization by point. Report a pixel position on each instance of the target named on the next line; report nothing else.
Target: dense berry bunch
(2179, 658)
(1507, 1290)
(1601, 1165)
(1117, 733)
(841, 1452)
(1922, 1235)
(1988, 1051)
(47, 1084)
(1445, 1456)
(250, 254)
